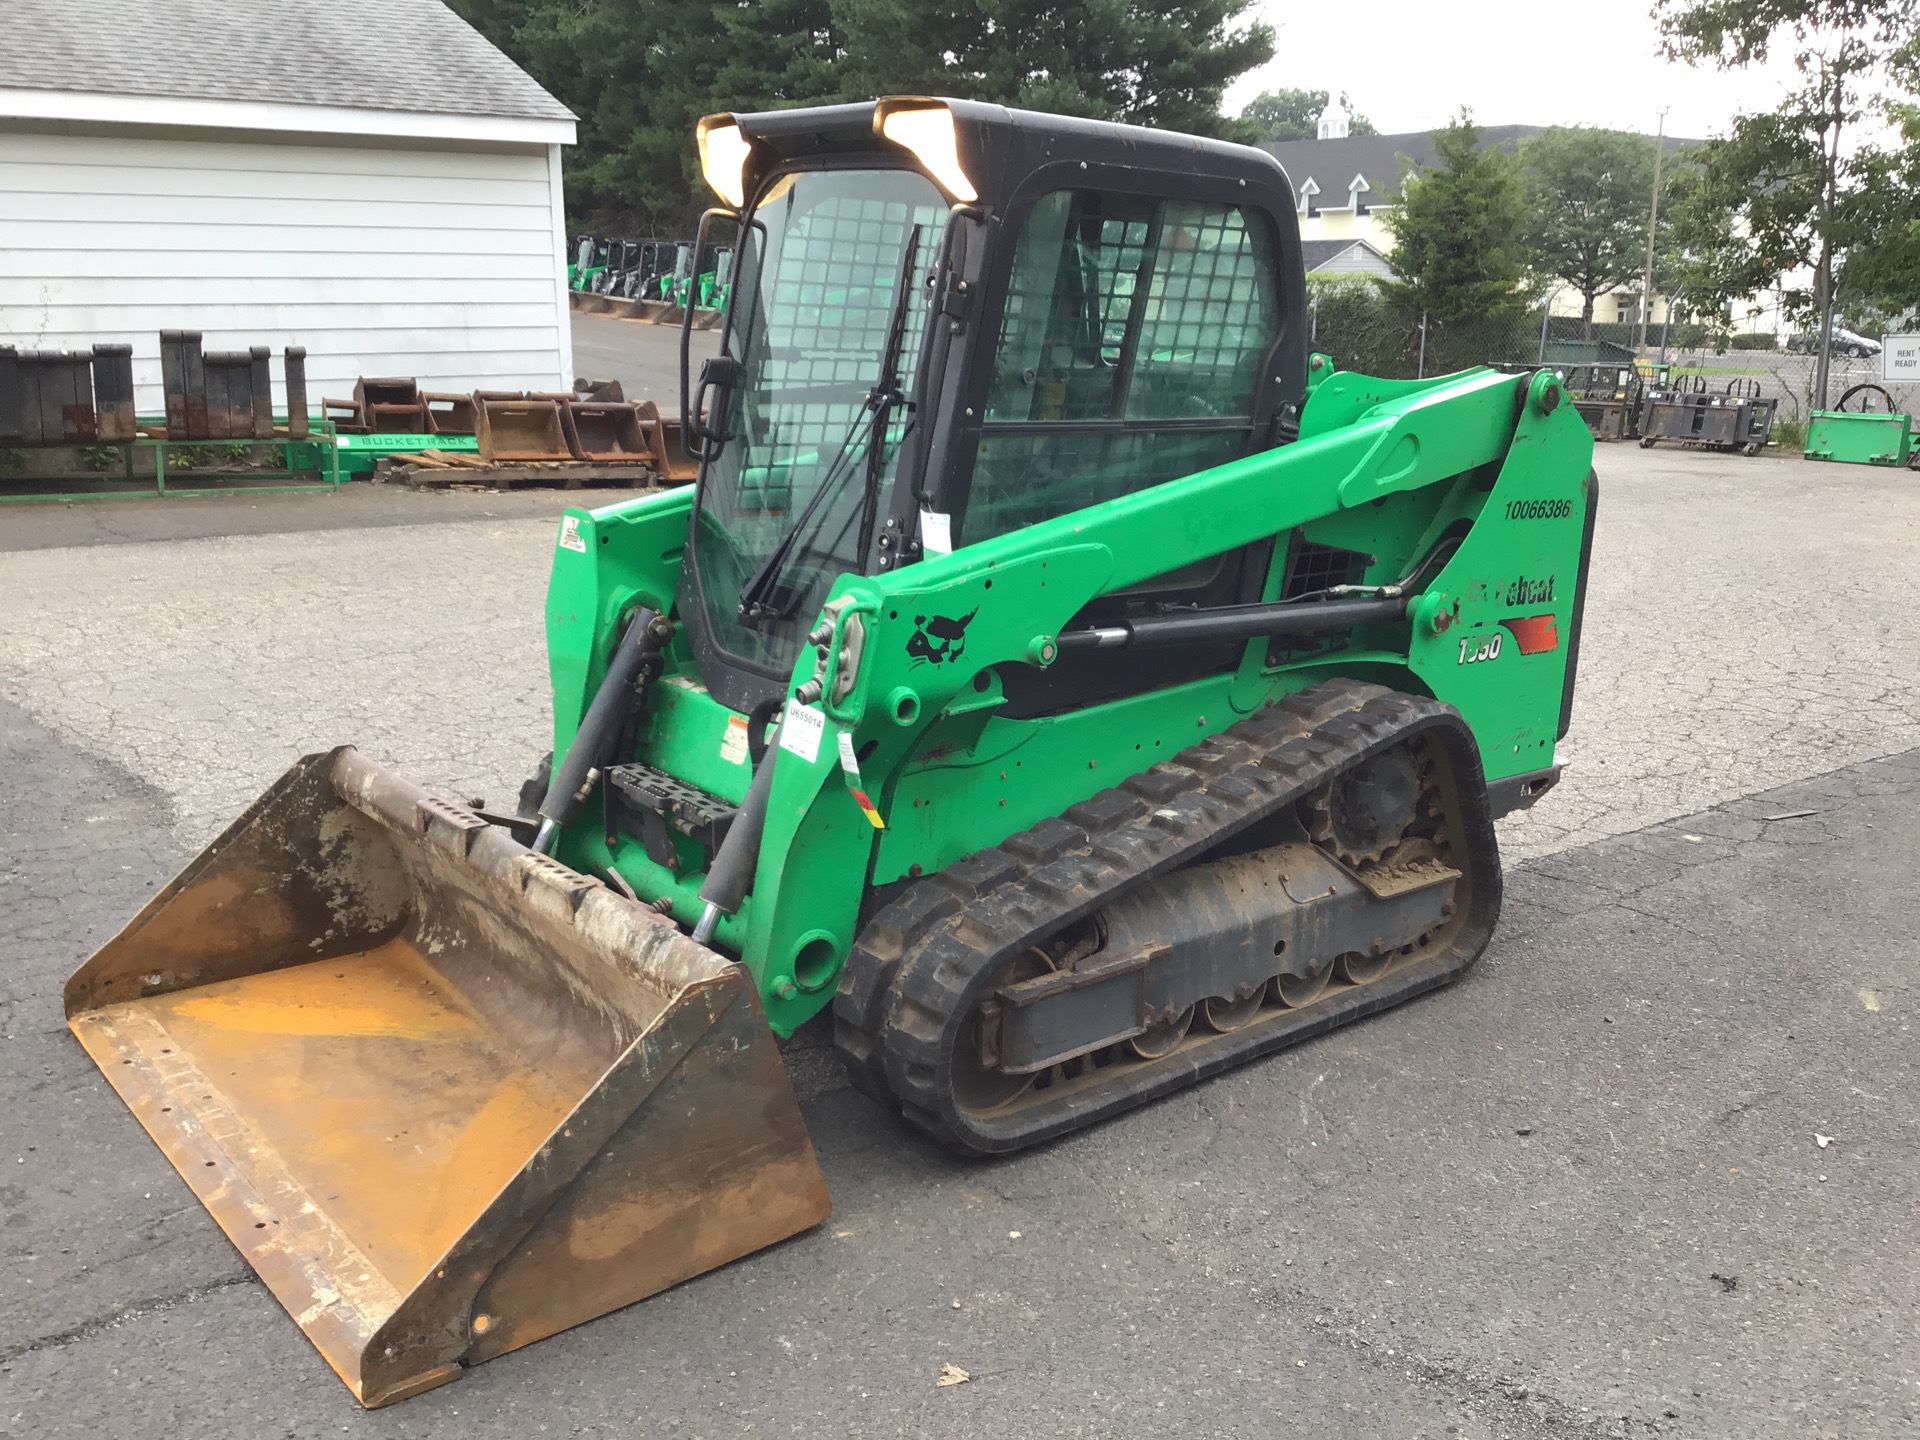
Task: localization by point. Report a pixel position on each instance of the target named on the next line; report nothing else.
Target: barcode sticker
(802, 730)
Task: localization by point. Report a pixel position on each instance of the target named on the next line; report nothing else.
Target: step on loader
(1058, 676)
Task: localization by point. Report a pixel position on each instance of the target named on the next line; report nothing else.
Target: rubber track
(921, 964)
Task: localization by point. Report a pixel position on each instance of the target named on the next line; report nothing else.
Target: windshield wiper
(757, 601)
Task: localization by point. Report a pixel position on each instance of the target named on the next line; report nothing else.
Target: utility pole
(1653, 222)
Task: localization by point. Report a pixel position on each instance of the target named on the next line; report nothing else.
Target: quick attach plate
(648, 803)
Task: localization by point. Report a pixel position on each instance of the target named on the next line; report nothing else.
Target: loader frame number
(1473, 650)
(1539, 509)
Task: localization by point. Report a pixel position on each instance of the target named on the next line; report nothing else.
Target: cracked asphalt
(1578, 1194)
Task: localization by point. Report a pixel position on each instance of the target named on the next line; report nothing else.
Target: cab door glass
(1129, 353)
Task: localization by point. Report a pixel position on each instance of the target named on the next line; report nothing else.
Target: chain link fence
(1350, 320)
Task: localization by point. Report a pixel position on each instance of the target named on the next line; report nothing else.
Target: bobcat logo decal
(938, 639)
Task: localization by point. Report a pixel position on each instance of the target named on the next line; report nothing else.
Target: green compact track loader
(1058, 676)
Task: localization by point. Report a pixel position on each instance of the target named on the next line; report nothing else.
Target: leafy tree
(1880, 286)
(1295, 115)
(1801, 192)
(1457, 256)
(639, 73)
(1587, 192)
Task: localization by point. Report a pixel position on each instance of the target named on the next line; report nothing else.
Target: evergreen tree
(638, 73)
(1457, 257)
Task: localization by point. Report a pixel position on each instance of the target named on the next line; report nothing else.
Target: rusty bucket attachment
(446, 1095)
(448, 414)
(520, 429)
(390, 405)
(607, 431)
(671, 461)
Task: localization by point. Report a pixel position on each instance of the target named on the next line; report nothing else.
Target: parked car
(1845, 342)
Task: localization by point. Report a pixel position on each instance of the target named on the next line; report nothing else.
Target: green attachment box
(1860, 439)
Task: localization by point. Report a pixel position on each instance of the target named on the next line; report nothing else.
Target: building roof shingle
(1315, 253)
(1332, 164)
(403, 55)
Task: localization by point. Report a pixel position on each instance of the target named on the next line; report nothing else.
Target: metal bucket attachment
(667, 444)
(390, 405)
(521, 429)
(446, 1095)
(448, 414)
(607, 431)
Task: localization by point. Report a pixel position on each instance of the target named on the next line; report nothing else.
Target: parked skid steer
(1056, 671)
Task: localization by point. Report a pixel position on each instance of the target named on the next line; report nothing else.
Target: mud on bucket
(446, 1095)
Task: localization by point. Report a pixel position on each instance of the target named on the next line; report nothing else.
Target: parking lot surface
(1580, 1193)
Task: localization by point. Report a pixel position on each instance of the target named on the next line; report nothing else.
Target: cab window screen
(1129, 353)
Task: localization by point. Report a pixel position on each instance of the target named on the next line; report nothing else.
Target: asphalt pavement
(1581, 1193)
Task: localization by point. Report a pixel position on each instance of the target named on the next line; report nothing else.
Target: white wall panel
(444, 264)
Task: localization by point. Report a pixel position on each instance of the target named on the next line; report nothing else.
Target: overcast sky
(1411, 64)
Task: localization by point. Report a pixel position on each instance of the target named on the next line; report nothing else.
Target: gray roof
(1332, 164)
(1315, 253)
(405, 55)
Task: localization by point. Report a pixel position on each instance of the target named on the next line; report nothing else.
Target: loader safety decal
(570, 534)
(850, 767)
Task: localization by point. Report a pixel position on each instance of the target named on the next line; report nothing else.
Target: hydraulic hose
(573, 780)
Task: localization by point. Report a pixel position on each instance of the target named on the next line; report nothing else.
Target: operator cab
(950, 320)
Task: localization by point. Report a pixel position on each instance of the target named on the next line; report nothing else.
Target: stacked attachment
(54, 404)
(113, 394)
(593, 1108)
(66, 397)
(1686, 414)
(239, 395)
(226, 395)
(380, 406)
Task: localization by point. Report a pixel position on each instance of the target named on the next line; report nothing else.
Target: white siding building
(368, 178)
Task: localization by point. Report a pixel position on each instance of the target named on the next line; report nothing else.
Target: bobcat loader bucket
(446, 1095)
(666, 443)
(522, 429)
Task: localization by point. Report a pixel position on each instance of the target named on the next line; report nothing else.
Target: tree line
(1481, 234)
(639, 73)
(1815, 203)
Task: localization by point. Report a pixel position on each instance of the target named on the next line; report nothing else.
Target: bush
(1756, 340)
(1352, 321)
(1789, 434)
